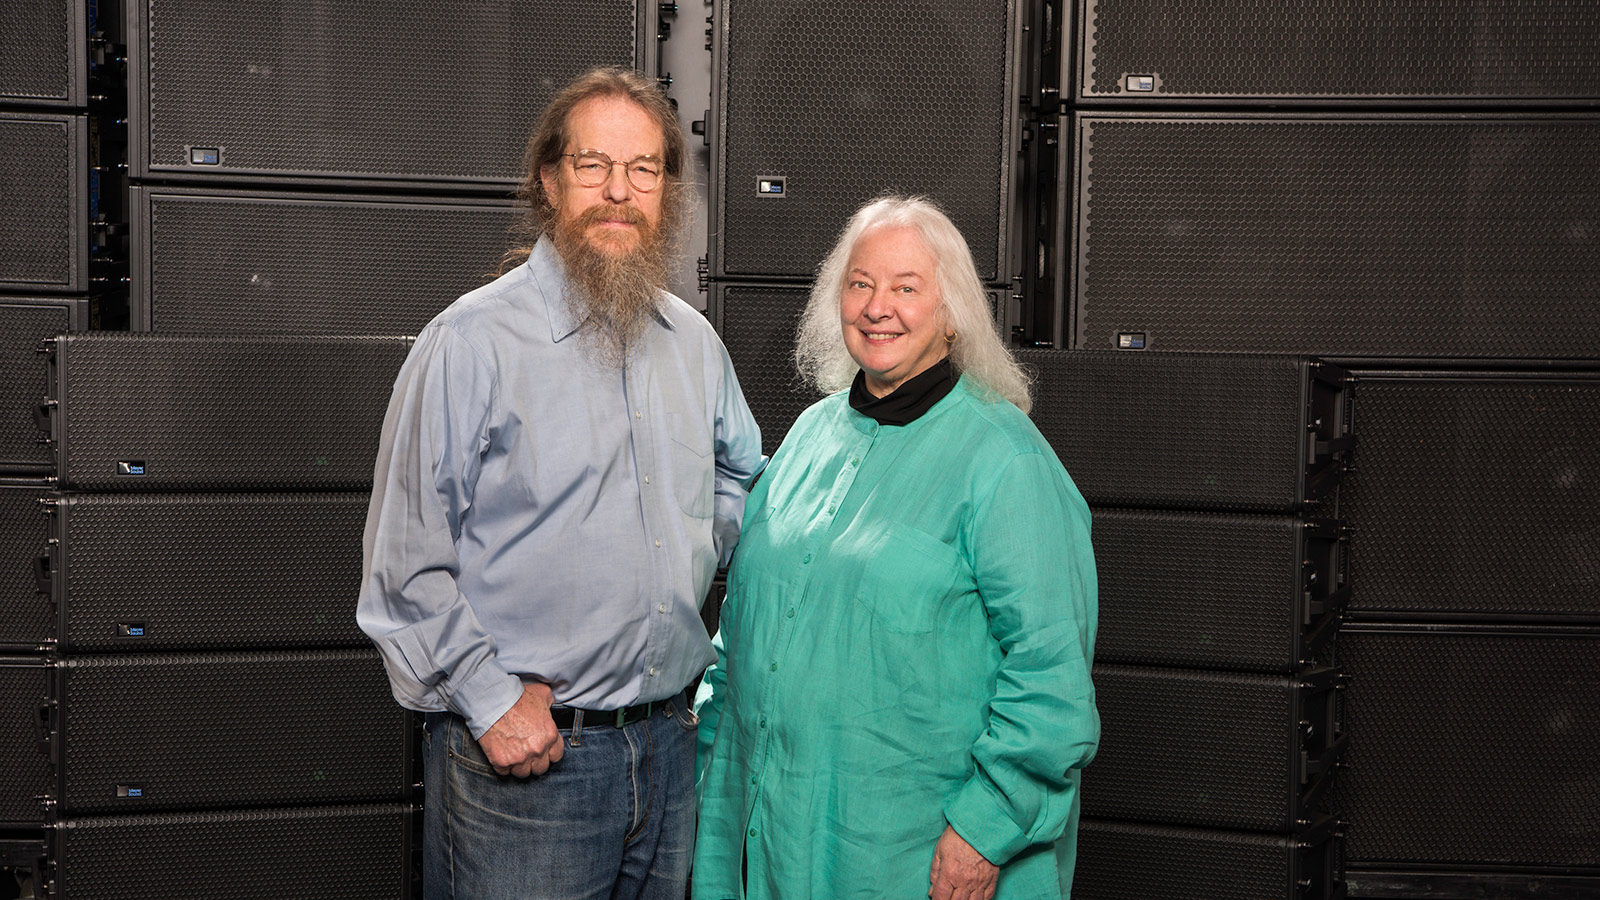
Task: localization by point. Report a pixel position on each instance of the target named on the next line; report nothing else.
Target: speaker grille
(1160, 430)
(223, 413)
(1399, 237)
(230, 730)
(394, 89)
(24, 688)
(1195, 748)
(1313, 48)
(37, 55)
(211, 571)
(221, 264)
(338, 853)
(1476, 495)
(23, 381)
(1200, 590)
(816, 99)
(24, 537)
(1471, 748)
(1125, 861)
(39, 158)
(758, 325)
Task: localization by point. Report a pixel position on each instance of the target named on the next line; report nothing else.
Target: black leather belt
(614, 718)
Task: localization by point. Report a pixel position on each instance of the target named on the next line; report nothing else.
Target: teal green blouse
(906, 642)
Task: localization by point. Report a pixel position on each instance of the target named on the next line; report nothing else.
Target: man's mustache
(595, 215)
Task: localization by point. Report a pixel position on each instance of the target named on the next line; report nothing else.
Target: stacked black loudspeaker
(1410, 190)
(198, 714)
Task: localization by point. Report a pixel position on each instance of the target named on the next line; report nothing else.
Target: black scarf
(906, 403)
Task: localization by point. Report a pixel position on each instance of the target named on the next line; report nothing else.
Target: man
(562, 466)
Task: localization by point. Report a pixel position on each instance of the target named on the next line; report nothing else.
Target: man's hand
(524, 741)
(960, 872)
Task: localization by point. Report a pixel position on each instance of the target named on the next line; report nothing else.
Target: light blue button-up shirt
(537, 516)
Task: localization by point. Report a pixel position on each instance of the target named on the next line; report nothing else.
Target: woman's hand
(960, 872)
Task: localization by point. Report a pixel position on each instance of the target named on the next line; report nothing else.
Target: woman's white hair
(820, 352)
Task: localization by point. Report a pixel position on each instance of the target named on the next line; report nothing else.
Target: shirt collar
(550, 275)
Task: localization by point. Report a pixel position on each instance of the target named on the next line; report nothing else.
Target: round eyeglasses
(592, 168)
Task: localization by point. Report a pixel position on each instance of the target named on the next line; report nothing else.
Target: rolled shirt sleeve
(437, 654)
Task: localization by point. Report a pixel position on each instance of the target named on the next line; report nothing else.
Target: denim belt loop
(577, 728)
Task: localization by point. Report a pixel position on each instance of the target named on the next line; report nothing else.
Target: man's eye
(647, 168)
(589, 167)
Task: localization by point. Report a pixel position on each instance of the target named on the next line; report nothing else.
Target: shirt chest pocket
(687, 454)
(906, 577)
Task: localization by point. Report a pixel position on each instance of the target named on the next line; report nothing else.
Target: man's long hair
(550, 138)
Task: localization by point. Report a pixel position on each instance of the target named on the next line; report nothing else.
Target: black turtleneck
(906, 403)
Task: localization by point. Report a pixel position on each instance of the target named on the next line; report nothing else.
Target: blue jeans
(613, 820)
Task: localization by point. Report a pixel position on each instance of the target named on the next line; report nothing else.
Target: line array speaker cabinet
(1392, 236)
(44, 178)
(1472, 748)
(159, 732)
(1216, 591)
(1129, 861)
(1193, 431)
(312, 853)
(1383, 51)
(758, 323)
(24, 542)
(25, 324)
(401, 91)
(24, 690)
(165, 412)
(136, 572)
(812, 117)
(43, 47)
(1224, 750)
(1476, 496)
(230, 262)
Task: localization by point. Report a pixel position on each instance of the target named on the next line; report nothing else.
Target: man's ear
(552, 184)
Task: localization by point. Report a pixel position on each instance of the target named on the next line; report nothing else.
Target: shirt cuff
(483, 698)
(982, 820)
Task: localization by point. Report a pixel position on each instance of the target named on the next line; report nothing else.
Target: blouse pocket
(906, 576)
(688, 450)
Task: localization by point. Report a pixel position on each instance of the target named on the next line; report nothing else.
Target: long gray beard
(611, 296)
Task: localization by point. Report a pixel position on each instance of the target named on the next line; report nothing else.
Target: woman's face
(892, 311)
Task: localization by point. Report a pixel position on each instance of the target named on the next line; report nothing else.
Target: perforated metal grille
(212, 571)
(216, 413)
(208, 731)
(229, 265)
(1193, 748)
(849, 102)
(38, 230)
(1123, 861)
(1175, 431)
(24, 536)
(1342, 237)
(382, 89)
(1322, 48)
(1471, 748)
(34, 51)
(1477, 496)
(23, 380)
(1197, 590)
(339, 853)
(758, 325)
(24, 688)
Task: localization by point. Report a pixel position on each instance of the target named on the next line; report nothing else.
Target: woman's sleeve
(1035, 572)
(708, 705)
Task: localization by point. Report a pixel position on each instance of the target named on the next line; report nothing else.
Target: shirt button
(637, 414)
(791, 613)
(658, 542)
(647, 479)
(803, 562)
(752, 779)
(856, 461)
(831, 510)
(652, 671)
(752, 832)
(661, 608)
(763, 721)
(774, 667)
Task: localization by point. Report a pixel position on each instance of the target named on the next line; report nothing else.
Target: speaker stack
(1221, 584)
(1407, 190)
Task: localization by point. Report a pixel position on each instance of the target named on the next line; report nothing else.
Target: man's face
(618, 213)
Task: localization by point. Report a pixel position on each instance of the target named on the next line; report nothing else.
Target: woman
(901, 700)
